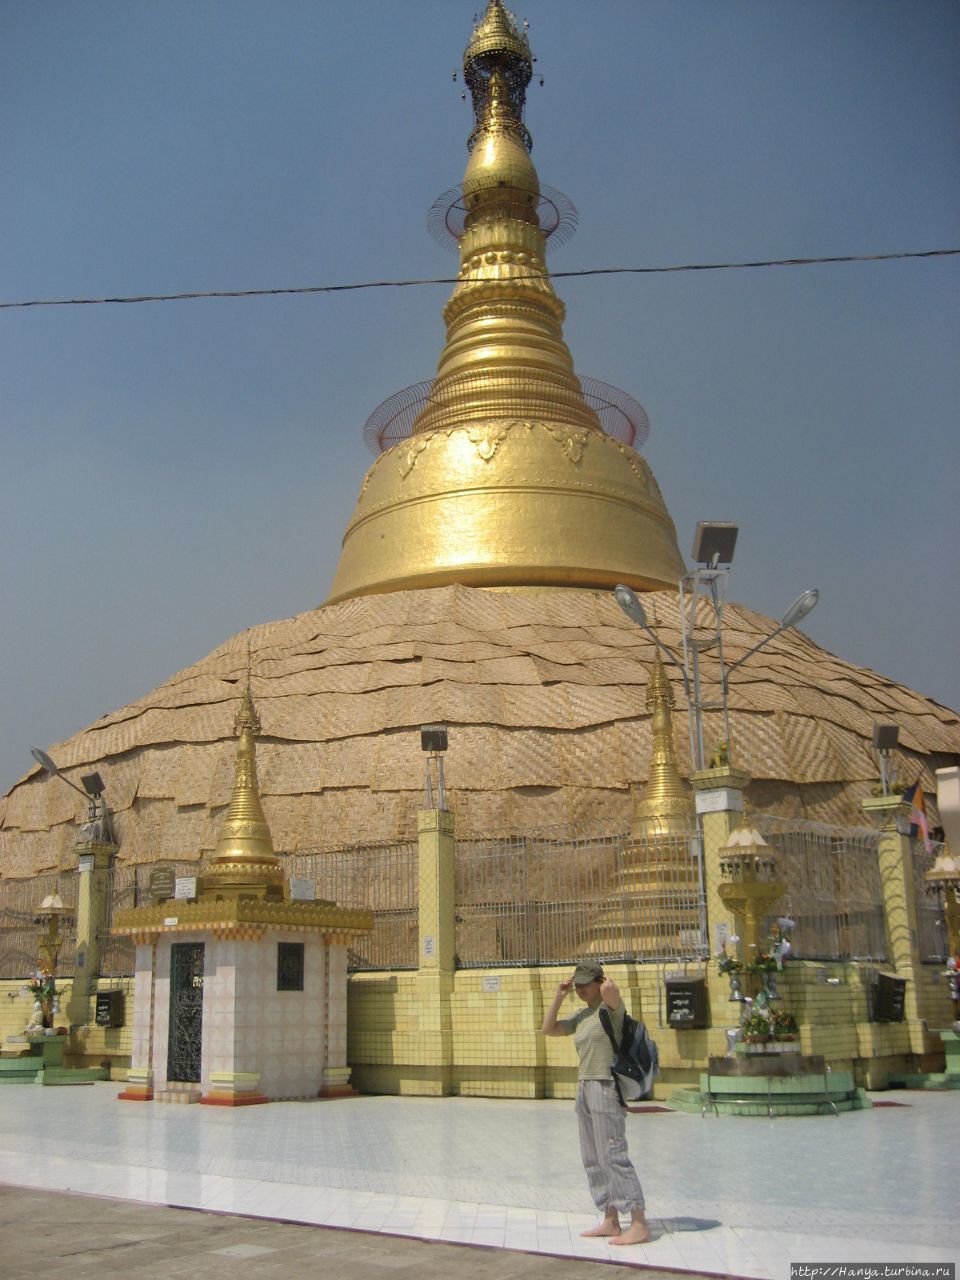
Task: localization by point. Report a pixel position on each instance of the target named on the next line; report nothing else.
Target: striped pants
(603, 1146)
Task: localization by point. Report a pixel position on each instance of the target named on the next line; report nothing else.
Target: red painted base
(238, 1100)
(135, 1095)
(344, 1091)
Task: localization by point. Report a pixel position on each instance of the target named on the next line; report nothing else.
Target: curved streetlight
(630, 604)
(805, 603)
(92, 789)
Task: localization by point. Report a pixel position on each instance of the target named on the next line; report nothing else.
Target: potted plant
(755, 1029)
(763, 963)
(784, 1025)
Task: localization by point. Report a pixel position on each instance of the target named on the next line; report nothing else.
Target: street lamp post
(713, 547)
(92, 791)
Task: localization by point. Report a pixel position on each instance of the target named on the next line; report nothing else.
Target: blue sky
(175, 472)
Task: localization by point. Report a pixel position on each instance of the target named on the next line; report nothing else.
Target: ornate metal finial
(497, 65)
(659, 692)
(244, 863)
(247, 716)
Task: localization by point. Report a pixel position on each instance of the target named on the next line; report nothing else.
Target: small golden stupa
(244, 863)
(507, 479)
(667, 799)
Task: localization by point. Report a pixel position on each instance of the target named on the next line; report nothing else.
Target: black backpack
(635, 1058)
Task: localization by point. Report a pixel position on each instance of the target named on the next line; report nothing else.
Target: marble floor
(725, 1195)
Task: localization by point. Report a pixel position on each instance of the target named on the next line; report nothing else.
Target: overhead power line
(408, 284)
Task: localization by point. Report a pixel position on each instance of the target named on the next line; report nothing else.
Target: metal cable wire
(192, 295)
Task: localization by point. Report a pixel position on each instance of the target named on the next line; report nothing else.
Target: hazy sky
(175, 472)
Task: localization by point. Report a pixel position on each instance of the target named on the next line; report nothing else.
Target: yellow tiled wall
(395, 1044)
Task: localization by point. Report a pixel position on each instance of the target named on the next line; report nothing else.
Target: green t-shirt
(594, 1049)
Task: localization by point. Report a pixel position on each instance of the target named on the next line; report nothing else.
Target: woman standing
(613, 1180)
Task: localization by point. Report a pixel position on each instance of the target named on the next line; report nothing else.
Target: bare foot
(606, 1228)
(636, 1233)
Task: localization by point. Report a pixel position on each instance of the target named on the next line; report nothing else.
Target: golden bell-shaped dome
(508, 479)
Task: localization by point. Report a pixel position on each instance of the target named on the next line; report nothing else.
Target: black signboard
(888, 998)
(109, 1009)
(686, 1002)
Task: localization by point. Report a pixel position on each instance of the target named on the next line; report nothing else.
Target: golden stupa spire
(244, 863)
(666, 795)
(507, 478)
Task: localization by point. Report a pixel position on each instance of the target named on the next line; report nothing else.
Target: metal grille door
(186, 1011)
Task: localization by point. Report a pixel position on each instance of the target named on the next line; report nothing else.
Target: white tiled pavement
(740, 1196)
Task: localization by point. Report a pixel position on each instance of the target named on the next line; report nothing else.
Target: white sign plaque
(719, 800)
(169, 920)
(303, 890)
(429, 945)
(491, 982)
(185, 888)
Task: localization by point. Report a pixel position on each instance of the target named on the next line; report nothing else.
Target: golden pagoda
(507, 478)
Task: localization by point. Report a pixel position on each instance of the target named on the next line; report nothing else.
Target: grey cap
(587, 971)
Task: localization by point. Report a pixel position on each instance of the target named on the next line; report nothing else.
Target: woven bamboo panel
(809, 750)
(556, 672)
(636, 741)
(343, 691)
(595, 808)
(158, 778)
(472, 762)
(458, 703)
(857, 760)
(541, 808)
(757, 745)
(592, 753)
(531, 758)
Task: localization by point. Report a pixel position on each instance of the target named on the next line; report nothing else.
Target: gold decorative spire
(244, 863)
(666, 795)
(508, 479)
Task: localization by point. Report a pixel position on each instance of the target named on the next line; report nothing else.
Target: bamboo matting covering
(544, 696)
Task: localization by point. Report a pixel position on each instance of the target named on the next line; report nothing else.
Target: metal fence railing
(20, 900)
(379, 877)
(833, 893)
(561, 894)
(546, 897)
(931, 927)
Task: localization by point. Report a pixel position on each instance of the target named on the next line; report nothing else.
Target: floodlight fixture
(433, 738)
(433, 741)
(92, 791)
(714, 543)
(885, 739)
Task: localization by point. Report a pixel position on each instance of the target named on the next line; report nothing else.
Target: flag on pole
(919, 826)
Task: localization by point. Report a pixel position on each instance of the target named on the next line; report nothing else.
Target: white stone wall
(288, 1037)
